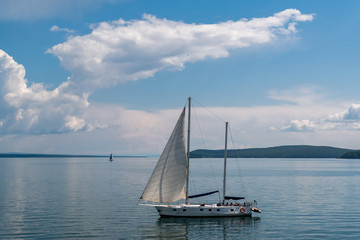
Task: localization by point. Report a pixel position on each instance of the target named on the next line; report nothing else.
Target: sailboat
(169, 181)
(111, 158)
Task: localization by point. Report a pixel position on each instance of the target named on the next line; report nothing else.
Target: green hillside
(294, 151)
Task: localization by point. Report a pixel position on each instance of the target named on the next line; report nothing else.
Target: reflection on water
(94, 199)
(202, 228)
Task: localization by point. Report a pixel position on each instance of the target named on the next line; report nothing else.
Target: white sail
(167, 181)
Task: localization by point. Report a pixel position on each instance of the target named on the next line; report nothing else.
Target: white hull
(194, 210)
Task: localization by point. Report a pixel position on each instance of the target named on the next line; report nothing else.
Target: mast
(188, 155)
(225, 157)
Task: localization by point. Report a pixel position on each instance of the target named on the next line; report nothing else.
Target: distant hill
(292, 151)
(351, 155)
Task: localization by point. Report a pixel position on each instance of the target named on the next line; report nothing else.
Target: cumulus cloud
(299, 126)
(31, 108)
(346, 120)
(352, 114)
(121, 51)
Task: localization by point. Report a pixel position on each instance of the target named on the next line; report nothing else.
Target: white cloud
(322, 119)
(75, 123)
(294, 14)
(349, 115)
(300, 126)
(55, 28)
(345, 120)
(348, 119)
(121, 51)
(352, 113)
(31, 108)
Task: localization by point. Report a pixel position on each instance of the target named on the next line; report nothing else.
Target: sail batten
(167, 181)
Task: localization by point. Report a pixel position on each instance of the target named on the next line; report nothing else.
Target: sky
(112, 76)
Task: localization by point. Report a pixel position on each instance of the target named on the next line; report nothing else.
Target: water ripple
(95, 199)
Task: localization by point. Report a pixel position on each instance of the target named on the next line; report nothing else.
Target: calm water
(92, 198)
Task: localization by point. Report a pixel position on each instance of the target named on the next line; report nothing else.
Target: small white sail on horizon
(167, 181)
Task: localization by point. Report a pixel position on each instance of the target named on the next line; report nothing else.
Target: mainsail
(167, 181)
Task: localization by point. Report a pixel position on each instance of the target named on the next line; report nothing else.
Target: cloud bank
(121, 51)
(345, 120)
(31, 108)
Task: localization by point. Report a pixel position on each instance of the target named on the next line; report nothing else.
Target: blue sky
(100, 76)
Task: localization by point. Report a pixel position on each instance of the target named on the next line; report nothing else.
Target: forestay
(167, 181)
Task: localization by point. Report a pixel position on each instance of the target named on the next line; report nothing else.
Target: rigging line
(192, 182)
(198, 124)
(205, 145)
(242, 182)
(217, 116)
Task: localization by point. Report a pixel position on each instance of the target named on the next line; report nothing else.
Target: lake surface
(93, 198)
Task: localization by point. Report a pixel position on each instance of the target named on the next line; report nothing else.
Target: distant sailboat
(169, 182)
(111, 158)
